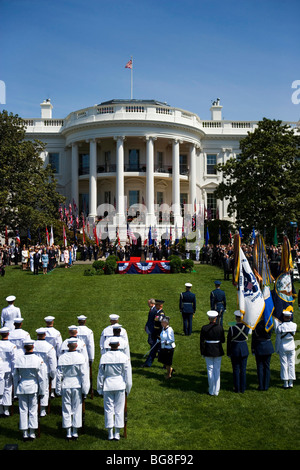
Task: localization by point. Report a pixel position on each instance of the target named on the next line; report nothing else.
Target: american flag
(129, 64)
(131, 236)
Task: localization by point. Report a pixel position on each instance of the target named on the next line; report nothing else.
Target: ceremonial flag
(253, 237)
(275, 241)
(47, 237)
(176, 234)
(269, 308)
(64, 236)
(51, 236)
(207, 237)
(95, 234)
(131, 236)
(150, 241)
(260, 262)
(220, 235)
(18, 240)
(129, 64)
(28, 235)
(251, 300)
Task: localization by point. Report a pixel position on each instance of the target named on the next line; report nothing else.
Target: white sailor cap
(188, 284)
(10, 298)
(49, 318)
(4, 329)
(116, 326)
(287, 313)
(212, 313)
(72, 340)
(114, 317)
(41, 331)
(73, 327)
(82, 317)
(114, 340)
(28, 341)
(237, 313)
(18, 320)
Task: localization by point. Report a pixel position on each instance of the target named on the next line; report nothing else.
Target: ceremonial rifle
(91, 380)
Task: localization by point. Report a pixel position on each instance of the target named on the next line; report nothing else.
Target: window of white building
(84, 164)
(211, 162)
(54, 161)
(211, 206)
(134, 160)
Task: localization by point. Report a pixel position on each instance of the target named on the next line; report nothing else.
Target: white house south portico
(124, 158)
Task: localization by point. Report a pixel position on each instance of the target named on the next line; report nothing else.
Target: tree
(263, 183)
(28, 196)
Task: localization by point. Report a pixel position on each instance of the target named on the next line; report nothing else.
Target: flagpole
(131, 88)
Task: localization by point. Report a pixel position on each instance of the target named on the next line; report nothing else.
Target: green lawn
(162, 415)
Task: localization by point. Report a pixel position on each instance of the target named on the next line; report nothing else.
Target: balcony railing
(141, 168)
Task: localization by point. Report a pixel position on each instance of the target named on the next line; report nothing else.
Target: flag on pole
(18, 240)
(64, 236)
(28, 235)
(51, 236)
(131, 236)
(129, 64)
(251, 300)
(47, 237)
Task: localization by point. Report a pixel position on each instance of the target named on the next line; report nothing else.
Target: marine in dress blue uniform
(187, 307)
(262, 348)
(218, 301)
(237, 350)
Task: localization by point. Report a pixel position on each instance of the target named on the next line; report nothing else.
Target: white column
(175, 181)
(120, 196)
(93, 179)
(74, 174)
(192, 177)
(150, 220)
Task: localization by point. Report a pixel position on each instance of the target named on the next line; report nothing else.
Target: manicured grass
(162, 415)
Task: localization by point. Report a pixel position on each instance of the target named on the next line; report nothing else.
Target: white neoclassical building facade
(143, 154)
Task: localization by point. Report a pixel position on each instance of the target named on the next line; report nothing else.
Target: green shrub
(187, 265)
(89, 272)
(99, 265)
(111, 264)
(175, 264)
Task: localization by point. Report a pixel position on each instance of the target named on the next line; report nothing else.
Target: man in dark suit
(187, 307)
(36, 261)
(155, 339)
(237, 350)
(149, 327)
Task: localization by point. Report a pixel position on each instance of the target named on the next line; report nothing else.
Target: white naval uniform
(46, 352)
(17, 337)
(124, 346)
(87, 336)
(107, 333)
(72, 382)
(8, 355)
(285, 347)
(1, 379)
(8, 315)
(53, 336)
(30, 379)
(81, 347)
(114, 378)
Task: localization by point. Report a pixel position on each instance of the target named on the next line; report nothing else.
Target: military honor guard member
(73, 383)
(218, 301)
(10, 312)
(46, 352)
(237, 350)
(187, 307)
(87, 335)
(285, 347)
(211, 338)
(8, 355)
(167, 346)
(108, 332)
(81, 346)
(117, 332)
(18, 335)
(53, 336)
(262, 348)
(30, 379)
(113, 381)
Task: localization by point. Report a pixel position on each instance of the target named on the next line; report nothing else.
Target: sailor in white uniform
(30, 379)
(72, 384)
(108, 332)
(87, 335)
(285, 347)
(53, 336)
(119, 332)
(46, 352)
(113, 381)
(81, 346)
(18, 335)
(8, 355)
(10, 312)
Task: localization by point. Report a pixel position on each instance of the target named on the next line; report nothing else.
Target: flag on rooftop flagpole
(129, 65)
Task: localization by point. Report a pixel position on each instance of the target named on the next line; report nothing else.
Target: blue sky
(186, 53)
